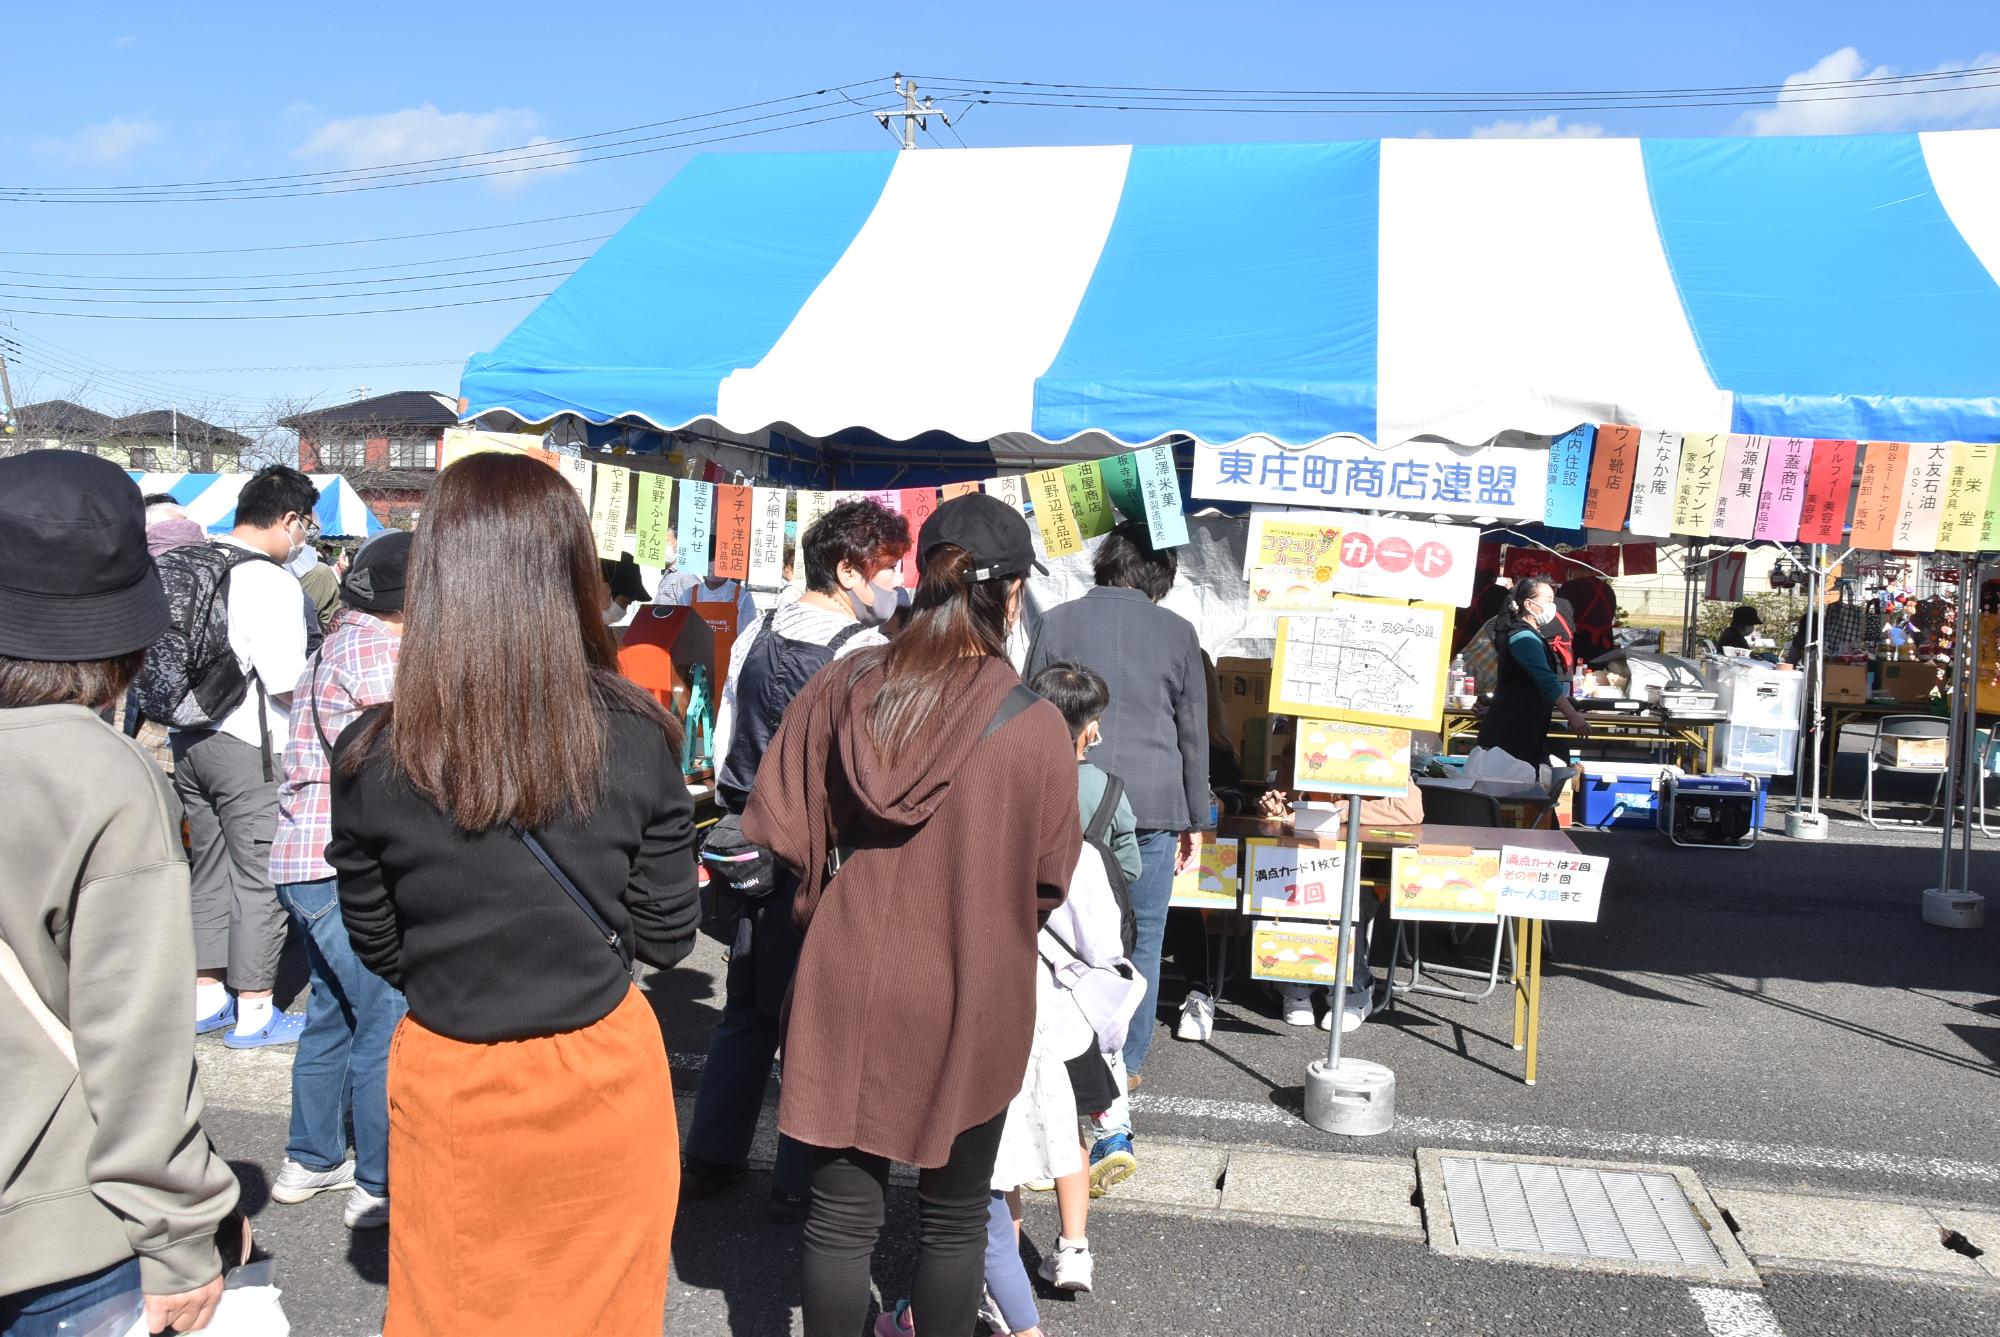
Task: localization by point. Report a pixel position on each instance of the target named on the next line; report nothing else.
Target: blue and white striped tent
(1830, 287)
(210, 501)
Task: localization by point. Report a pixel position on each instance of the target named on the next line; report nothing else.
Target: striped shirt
(355, 669)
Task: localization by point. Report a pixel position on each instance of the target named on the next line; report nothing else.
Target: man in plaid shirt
(343, 1053)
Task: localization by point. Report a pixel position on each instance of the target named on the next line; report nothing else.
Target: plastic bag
(1490, 763)
(250, 1307)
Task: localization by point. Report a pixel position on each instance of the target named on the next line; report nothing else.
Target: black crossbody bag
(612, 938)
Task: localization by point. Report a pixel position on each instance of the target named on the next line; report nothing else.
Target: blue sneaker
(221, 1017)
(282, 1029)
(1111, 1163)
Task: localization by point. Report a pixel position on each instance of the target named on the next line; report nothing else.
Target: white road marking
(1735, 1313)
(1652, 1146)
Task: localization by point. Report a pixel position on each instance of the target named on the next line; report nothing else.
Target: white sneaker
(1197, 1017)
(1298, 1000)
(295, 1183)
(1350, 1020)
(1069, 1268)
(365, 1211)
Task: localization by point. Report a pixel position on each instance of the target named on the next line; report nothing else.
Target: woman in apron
(1517, 722)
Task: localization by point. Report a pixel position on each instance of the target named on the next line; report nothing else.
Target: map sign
(1369, 661)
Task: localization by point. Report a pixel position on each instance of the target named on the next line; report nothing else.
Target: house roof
(59, 417)
(400, 408)
(166, 423)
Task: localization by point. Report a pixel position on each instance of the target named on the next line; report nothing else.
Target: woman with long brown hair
(928, 801)
(509, 833)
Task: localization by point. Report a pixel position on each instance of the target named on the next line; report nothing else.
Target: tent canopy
(210, 501)
(1842, 287)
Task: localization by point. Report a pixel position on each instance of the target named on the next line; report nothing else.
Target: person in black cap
(342, 1065)
(1743, 624)
(1156, 740)
(108, 1185)
(623, 587)
(927, 801)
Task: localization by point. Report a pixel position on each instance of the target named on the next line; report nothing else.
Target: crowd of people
(931, 876)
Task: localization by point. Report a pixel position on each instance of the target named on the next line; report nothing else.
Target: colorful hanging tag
(1783, 498)
(918, 505)
(697, 525)
(1012, 489)
(1569, 476)
(1966, 483)
(1655, 477)
(576, 472)
(607, 510)
(809, 506)
(732, 531)
(1924, 478)
(767, 537)
(1742, 484)
(1989, 529)
(951, 490)
(1701, 474)
(1160, 490)
(1878, 499)
(1613, 458)
(1087, 500)
(1052, 513)
(655, 518)
(1828, 481)
(1121, 481)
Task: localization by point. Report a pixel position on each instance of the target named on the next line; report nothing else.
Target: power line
(286, 315)
(244, 301)
(321, 245)
(308, 273)
(38, 288)
(307, 366)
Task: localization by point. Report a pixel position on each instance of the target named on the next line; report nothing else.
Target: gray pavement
(1780, 1020)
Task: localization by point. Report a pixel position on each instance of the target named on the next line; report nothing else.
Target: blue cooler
(1719, 811)
(1619, 794)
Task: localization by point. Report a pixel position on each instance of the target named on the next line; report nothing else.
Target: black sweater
(481, 939)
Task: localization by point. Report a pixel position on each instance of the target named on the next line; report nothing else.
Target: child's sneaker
(1298, 1000)
(1069, 1268)
(1197, 1017)
(1111, 1163)
(895, 1323)
(990, 1315)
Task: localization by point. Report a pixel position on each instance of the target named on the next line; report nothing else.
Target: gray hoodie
(109, 1162)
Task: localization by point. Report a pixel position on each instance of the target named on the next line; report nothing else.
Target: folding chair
(1449, 806)
(1902, 726)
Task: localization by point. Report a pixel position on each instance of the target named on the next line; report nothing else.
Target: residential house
(386, 445)
(154, 441)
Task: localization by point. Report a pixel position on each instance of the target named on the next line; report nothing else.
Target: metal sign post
(1349, 1095)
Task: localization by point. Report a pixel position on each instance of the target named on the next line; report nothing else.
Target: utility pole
(913, 112)
(7, 394)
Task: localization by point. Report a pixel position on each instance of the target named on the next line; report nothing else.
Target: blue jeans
(37, 1313)
(343, 1054)
(1150, 895)
(1006, 1276)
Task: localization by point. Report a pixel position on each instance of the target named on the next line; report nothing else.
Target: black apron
(1518, 720)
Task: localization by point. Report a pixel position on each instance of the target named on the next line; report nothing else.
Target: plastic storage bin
(1750, 692)
(1756, 749)
(1618, 794)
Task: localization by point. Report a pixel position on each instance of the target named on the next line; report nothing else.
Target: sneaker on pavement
(990, 1315)
(282, 1029)
(1069, 1268)
(1040, 1186)
(1197, 1017)
(1111, 1163)
(895, 1323)
(365, 1211)
(700, 1178)
(1298, 1001)
(295, 1183)
(1350, 1019)
(221, 1017)
(788, 1209)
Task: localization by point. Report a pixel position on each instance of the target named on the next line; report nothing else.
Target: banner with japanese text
(1742, 485)
(1347, 473)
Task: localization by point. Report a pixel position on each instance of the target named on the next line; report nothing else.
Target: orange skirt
(534, 1181)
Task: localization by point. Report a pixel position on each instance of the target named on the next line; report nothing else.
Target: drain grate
(1574, 1211)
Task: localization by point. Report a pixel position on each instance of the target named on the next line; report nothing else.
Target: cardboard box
(1846, 683)
(1909, 680)
(1915, 751)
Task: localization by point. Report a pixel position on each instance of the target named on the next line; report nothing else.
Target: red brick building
(386, 445)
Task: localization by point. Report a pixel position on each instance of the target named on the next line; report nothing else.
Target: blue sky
(120, 94)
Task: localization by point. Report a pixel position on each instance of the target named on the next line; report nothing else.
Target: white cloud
(422, 133)
(1805, 110)
(1542, 127)
(106, 142)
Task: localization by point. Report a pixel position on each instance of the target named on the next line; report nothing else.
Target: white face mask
(1544, 616)
(304, 558)
(673, 559)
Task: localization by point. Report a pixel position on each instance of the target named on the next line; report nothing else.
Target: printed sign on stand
(1291, 882)
(1292, 953)
(1335, 758)
(1546, 884)
(1371, 661)
(1209, 883)
(1448, 883)
(1296, 561)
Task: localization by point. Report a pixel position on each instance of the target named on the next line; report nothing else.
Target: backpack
(1097, 835)
(191, 678)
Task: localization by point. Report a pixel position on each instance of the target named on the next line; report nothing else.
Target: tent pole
(1965, 644)
(1957, 740)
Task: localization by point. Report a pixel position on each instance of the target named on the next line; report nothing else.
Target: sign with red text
(1296, 561)
(1549, 884)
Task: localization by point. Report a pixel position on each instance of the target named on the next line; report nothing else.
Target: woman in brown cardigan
(913, 1008)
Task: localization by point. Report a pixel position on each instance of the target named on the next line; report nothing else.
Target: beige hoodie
(108, 1162)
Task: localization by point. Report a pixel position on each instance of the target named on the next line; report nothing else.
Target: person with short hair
(227, 777)
(108, 1183)
(1743, 624)
(510, 833)
(342, 1064)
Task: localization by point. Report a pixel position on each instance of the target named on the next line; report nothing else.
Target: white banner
(1418, 477)
(1655, 480)
(767, 538)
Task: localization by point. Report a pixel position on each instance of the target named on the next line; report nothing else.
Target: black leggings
(850, 1189)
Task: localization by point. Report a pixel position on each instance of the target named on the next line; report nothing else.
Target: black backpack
(191, 679)
(1097, 835)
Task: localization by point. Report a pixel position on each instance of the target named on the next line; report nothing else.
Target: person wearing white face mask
(1517, 722)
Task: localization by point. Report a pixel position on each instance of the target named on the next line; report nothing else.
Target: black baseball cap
(375, 578)
(76, 581)
(992, 531)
